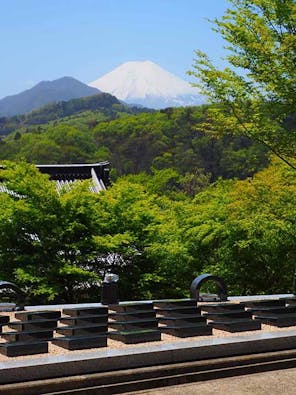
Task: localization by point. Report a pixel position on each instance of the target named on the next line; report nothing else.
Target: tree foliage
(168, 139)
(59, 246)
(255, 95)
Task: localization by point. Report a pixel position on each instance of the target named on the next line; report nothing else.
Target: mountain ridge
(45, 92)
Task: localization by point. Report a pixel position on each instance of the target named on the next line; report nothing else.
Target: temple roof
(66, 174)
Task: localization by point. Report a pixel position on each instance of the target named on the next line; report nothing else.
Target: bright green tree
(255, 95)
(47, 243)
(244, 231)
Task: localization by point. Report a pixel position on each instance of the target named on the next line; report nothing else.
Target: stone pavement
(279, 382)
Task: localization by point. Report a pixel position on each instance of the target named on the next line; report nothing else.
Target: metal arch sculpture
(19, 293)
(203, 278)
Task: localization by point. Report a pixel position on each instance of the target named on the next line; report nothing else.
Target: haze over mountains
(149, 85)
(62, 89)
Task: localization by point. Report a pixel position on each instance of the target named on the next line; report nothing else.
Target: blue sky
(48, 39)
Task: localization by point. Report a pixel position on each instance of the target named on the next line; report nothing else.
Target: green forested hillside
(170, 138)
(103, 104)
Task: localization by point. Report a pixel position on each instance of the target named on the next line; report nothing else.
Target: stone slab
(222, 307)
(136, 336)
(82, 330)
(77, 312)
(236, 326)
(131, 307)
(140, 315)
(37, 315)
(278, 321)
(80, 342)
(177, 311)
(130, 325)
(228, 314)
(50, 366)
(265, 303)
(171, 303)
(4, 319)
(265, 311)
(27, 336)
(16, 349)
(33, 324)
(186, 331)
(197, 320)
(84, 320)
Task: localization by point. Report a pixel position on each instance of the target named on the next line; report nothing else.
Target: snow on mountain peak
(146, 83)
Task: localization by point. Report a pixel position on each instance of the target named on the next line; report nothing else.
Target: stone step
(177, 312)
(82, 330)
(131, 307)
(27, 335)
(138, 336)
(221, 307)
(195, 319)
(33, 324)
(228, 314)
(236, 326)
(37, 315)
(80, 342)
(133, 325)
(145, 314)
(17, 349)
(265, 311)
(172, 303)
(264, 303)
(77, 312)
(4, 319)
(84, 320)
(186, 331)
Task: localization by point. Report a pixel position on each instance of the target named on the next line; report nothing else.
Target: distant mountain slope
(148, 84)
(103, 102)
(45, 92)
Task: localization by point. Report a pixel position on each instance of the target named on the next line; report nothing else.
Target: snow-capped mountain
(149, 85)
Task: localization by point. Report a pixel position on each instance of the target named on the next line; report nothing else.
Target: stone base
(83, 320)
(77, 312)
(33, 325)
(187, 331)
(4, 319)
(133, 325)
(236, 326)
(38, 315)
(17, 349)
(133, 337)
(81, 342)
(279, 321)
(82, 330)
(28, 336)
(186, 320)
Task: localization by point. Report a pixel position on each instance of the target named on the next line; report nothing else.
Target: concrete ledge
(109, 360)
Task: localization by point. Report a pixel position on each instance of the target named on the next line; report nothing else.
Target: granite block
(87, 311)
(16, 349)
(134, 337)
(80, 342)
(82, 330)
(84, 320)
(27, 335)
(37, 315)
